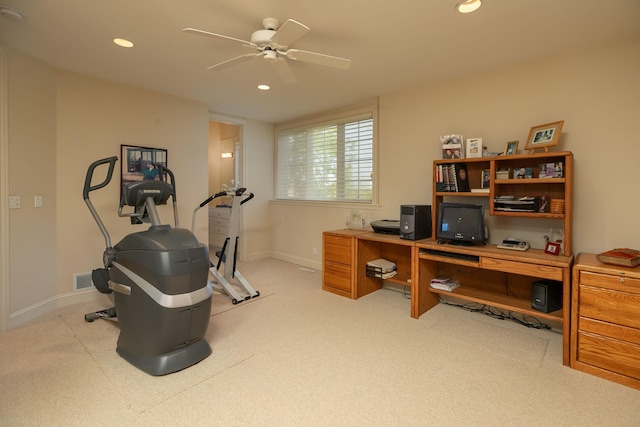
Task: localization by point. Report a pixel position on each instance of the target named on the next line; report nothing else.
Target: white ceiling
(394, 45)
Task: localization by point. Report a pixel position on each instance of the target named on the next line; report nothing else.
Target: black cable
(498, 313)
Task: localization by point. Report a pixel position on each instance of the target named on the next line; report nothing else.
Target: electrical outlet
(314, 250)
(37, 201)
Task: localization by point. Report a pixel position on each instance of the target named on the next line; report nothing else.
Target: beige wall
(94, 118)
(80, 119)
(32, 171)
(596, 92)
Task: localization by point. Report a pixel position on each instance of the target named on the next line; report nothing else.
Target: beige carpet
(299, 356)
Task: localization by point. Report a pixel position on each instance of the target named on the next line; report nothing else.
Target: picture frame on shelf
(511, 148)
(485, 182)
(552, 248)
(474, 148)
(452, 146)
(522, 173)
(544, 136)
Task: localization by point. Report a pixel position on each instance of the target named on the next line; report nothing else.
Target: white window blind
(332, 161)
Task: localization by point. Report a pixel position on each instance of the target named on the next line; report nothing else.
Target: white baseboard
(316, 265)
(38, 309)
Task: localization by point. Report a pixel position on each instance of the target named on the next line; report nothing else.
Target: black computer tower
(415, 222)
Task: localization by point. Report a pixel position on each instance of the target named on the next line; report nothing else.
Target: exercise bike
(157, 280)
(222, 282)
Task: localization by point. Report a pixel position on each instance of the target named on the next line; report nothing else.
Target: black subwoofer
(546, 295)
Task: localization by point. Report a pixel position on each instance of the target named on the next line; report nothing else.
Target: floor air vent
(82, 281)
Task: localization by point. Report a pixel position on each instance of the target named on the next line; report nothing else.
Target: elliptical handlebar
(231, 193)
(87, 182)
(89, 188)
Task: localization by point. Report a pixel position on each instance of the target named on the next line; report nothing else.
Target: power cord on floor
(497, 313)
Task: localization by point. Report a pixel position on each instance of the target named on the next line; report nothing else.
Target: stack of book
(444, 284)
(381, 268)
(452, 177)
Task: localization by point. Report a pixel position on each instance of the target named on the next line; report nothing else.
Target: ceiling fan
(272, 43)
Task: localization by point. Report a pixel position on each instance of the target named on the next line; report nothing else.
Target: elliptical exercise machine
(223, 282)
(156, 278)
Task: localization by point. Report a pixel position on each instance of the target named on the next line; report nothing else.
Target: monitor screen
(461, 223)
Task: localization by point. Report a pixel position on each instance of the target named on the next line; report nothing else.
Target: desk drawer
(608, 353)
(523, 268)
(337, 253)
(337, 276)
(621, 308)
(619, 283)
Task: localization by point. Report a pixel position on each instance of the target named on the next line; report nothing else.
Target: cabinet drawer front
(218, 222)
(623, 333)
(219, 230)
(337, 253)
(337, 276)
(337, 240)
(620, 283)
(526, 269)
(621, 308)
(217, 240)
(221, 213)
(608, 353)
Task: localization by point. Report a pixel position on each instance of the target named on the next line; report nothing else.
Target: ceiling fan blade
(288, 32)
(233, 61)
(284, 71)
(218, 36)
(318, 58)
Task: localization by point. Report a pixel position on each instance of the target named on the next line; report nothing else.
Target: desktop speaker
(415, 222)
(546, 295)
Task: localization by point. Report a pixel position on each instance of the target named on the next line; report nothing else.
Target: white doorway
(225, 170)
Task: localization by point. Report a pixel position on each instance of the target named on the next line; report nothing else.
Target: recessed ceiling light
(11, 14)
(264, 87)
(123, 42)
(468, 6)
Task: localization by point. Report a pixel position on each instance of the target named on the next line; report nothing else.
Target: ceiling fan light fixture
(264, 87)
(468, 6)
(123, 42)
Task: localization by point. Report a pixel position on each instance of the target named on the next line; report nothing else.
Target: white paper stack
(444, 284)
(381, 268)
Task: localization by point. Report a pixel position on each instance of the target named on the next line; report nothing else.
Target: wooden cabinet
(338, 255)
(556, 189)
(605, 320)
(218, 225)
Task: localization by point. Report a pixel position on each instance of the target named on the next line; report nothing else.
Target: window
(329, 160)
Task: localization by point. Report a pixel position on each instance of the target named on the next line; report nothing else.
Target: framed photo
(474, 148)
(552, 248)
(544, 136)
(452, 146)
(511, 148)
(486, 178)
(140, 163)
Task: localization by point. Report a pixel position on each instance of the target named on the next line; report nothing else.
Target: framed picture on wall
(140, 163)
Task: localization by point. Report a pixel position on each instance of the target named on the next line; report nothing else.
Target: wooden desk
(497, 277)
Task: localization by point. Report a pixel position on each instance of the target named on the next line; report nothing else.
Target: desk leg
(422, 271)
